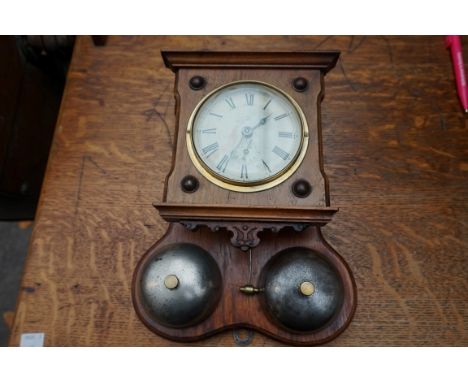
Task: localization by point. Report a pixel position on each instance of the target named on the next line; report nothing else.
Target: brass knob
(307, 288)
(171, 282)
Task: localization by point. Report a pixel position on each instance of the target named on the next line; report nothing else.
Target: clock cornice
(317, 60)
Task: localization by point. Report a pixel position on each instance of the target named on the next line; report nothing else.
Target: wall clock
(246, 198)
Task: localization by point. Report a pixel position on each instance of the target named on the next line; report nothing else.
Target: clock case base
(239, 310)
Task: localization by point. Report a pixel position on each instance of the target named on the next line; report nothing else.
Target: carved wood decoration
(242, 231)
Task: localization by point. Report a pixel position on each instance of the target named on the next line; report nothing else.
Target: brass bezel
(266, 183)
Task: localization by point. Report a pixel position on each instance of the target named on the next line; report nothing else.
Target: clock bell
(245, 200)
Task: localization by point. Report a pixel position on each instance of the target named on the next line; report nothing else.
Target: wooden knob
(189, 184)
(300, 84)
(301, 188)
(197, 83)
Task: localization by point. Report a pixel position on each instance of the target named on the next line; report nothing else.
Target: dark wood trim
(319, 60)
(312, 215)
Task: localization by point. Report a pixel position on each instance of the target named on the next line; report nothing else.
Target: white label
(32, 339)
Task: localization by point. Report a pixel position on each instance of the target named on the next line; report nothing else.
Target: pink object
(454, 43)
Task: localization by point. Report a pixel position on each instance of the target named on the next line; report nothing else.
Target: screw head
(301, 188)
(300, 84)
(197, 83)
(189, 184)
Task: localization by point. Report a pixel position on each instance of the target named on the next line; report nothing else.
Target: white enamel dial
(247, 133)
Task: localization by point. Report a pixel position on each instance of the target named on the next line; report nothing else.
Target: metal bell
(302, 290)
(181, 285)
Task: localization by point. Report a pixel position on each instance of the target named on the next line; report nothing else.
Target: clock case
(229, 224)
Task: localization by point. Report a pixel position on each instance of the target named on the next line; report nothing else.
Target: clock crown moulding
(317, 60)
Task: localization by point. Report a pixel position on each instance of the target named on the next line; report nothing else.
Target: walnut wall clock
(245, 198)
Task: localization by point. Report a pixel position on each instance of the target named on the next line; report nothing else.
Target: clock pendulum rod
(249, 288)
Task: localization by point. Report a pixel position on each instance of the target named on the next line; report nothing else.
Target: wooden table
(396, 153)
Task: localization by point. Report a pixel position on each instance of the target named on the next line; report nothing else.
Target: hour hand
(262, 122)
(264, 119)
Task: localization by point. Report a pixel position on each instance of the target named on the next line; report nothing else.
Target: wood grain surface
(395, 153)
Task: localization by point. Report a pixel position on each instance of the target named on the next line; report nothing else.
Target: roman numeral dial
(281, 153)
(210, 149)
(244, 173)
(223, 163)
(245, 134)
(230, 102)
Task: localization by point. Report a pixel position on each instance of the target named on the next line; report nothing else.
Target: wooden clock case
(228, 224)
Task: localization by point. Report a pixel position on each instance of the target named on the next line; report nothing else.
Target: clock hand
(240, 143)
(247, 130)
(262, 122)
(247, 149)
(236, 147)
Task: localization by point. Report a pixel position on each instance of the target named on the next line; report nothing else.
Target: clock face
(247, 136)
